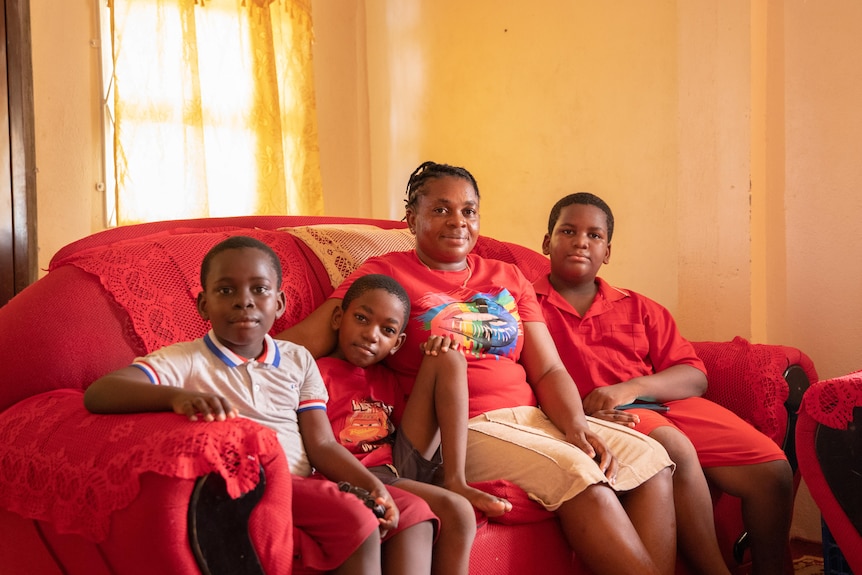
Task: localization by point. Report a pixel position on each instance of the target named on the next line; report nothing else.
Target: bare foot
(484, 502)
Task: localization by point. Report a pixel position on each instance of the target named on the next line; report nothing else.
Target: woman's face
(446, 222)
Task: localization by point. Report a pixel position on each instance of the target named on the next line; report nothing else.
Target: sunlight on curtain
(212, 109)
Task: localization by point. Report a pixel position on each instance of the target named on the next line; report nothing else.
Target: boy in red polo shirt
(622, 348)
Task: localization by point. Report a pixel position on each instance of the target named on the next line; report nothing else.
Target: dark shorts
(407, 463)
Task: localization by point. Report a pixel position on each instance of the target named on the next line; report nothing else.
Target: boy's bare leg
(601, 535)
(409, 551)
(766, 491)
(457, 526)
(436, 415)
(698, 542)
(651, 510)
(365, 560)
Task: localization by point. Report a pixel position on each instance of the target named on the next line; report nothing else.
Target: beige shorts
(521, 445)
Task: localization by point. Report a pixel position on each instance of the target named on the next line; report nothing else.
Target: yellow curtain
(212, 109)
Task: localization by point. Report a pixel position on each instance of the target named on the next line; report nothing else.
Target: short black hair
(238, 243)
(583, 198)
(431, 171)
(370, 282)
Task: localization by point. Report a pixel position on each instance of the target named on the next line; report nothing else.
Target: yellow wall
(646, 104)
(68, 125)
(725, 135)
(729, 169)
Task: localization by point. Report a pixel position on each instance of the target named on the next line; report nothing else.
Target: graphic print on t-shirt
(485, 324)
(367, 426)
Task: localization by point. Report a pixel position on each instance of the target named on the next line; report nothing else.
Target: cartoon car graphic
(368, 424)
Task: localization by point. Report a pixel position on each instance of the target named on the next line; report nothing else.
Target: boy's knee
(782, 474)
(677, 445)
(457, 508)
(773, 479)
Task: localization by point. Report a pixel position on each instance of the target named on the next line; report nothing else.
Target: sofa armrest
(761, 383)
(73, 469)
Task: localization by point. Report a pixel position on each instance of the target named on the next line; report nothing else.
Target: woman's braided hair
(432, 170)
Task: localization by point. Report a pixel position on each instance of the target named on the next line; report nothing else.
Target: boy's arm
(315, 332)
(336, 463)
(128, 390)
(675, 382)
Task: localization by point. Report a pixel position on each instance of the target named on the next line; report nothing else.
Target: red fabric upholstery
(84, 491)
(831, 403)
(747, 379)
(51, 331)
(93, 479)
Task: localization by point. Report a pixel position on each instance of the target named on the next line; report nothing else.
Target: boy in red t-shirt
(622, 348)
(399, 439)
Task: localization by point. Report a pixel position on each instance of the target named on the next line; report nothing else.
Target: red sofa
(154, 493)
(829, 445)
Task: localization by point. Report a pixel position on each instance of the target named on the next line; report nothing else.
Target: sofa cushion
(343, 248)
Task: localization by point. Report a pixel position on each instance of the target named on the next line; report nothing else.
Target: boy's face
(241, 299)
(578, 245)
(370, 328)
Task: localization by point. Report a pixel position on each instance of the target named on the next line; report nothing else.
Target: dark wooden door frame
(18, 181)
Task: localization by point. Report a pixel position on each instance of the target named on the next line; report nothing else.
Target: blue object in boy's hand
(363, 495)
(651, 406)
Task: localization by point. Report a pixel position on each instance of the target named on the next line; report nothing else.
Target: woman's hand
(592, 445)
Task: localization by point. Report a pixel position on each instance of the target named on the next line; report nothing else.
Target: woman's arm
(128, 390)
(558, 396)
(315, 332)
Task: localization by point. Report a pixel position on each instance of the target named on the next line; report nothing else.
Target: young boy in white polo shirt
(236, 370)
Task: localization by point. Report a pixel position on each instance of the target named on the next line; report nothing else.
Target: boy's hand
(391, 516)
(205, 406)
(608, 398)
(619, 416)
(437, 344)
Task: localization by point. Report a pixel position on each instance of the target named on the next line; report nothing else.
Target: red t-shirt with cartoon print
(364, 407)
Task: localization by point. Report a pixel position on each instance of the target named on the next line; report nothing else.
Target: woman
(611, 488)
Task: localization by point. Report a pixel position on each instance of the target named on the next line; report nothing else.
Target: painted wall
(726, 144)
(726, 136)
(68, 128)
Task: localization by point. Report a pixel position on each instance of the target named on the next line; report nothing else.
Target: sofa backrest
(118, 294)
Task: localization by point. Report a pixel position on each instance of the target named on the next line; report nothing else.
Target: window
(209, 109)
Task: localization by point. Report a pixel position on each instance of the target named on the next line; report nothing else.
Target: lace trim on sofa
(52, 469)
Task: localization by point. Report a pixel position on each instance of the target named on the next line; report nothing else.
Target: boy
(365, 400)
(621, 347)
(237, 369)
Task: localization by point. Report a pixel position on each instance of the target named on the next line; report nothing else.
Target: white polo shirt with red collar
(271, 389)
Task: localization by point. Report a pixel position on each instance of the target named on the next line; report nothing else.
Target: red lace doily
(52, 469)
(831, 402)
(156, 279)
(748, 379)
